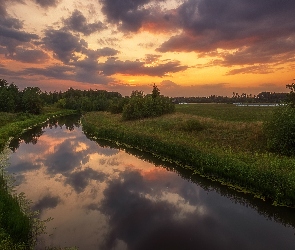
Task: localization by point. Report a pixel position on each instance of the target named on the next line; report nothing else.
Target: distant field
(226, 112)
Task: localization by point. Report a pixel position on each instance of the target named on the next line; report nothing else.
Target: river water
(103, 197)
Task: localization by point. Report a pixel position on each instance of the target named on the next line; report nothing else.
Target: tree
(31, 100)
(280, 128)
(151, 105)
(291, 96)
(156, 91)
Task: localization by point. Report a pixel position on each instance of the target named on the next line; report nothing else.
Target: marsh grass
(232, 152)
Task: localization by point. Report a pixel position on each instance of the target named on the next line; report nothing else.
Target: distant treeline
(137, 105)
(263, 97)
(32, 100)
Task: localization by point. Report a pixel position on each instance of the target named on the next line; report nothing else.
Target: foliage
(280, 131)
(142, 106)
(291, 96)
(15, 224)
(117, 104)
(280, 128)
(31, 100)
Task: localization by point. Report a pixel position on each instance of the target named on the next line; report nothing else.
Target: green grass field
(226, 112)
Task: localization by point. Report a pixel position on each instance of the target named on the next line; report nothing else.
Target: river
(104, 197)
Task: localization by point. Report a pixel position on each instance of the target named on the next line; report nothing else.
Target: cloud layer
(101, 41)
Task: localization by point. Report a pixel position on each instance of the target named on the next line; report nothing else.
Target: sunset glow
(186, 47)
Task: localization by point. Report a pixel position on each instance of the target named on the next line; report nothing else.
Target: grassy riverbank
(17, 226)
(227, 146)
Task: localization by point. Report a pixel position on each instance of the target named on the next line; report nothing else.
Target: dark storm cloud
(11, 34)
(30, 56)
(79, 73)
(263, 52)
(106, 51)
(59, 72)
(131, 15)
(113, 66)
(128, 14)
(80, 180)
(63, 44)
(78, 22)
(211, 24)
(16, 34)
(46, 202)
(47, 3)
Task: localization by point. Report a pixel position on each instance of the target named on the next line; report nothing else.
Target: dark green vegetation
(16, 225)
(13, 100)
(143, 106)
(231, 150)
(280, 127)
(32, 99)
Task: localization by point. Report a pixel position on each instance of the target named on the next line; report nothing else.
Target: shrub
(191, 125)
(152, 105)
(280, 131)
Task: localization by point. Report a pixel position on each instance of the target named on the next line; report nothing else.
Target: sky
(185, 47)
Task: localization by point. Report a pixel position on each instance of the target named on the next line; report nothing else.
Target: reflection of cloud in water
(23, 167)
(145, 223)
(79, 180)
(64, 159)
(146, 207)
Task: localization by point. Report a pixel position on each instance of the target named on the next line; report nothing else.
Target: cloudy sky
(186, 47)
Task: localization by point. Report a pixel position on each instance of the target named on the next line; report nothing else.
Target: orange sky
(186, 47)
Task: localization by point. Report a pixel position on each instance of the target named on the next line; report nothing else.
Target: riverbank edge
(7, 132)
(269, 184)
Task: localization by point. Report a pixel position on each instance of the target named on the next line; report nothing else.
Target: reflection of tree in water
(32, 135)
(70, 122)
(280, 214)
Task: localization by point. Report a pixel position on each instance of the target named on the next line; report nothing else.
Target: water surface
(102, 197)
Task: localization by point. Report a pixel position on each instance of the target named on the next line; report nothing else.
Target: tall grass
(233, 152)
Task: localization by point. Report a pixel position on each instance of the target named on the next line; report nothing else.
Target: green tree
(280, 128)
(291, 95)
(31, 100)
(140, 106)
(9, 97)
(156, 91)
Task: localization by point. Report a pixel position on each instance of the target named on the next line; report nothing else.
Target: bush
(152, 105)
(280, 131)
(191, 125)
